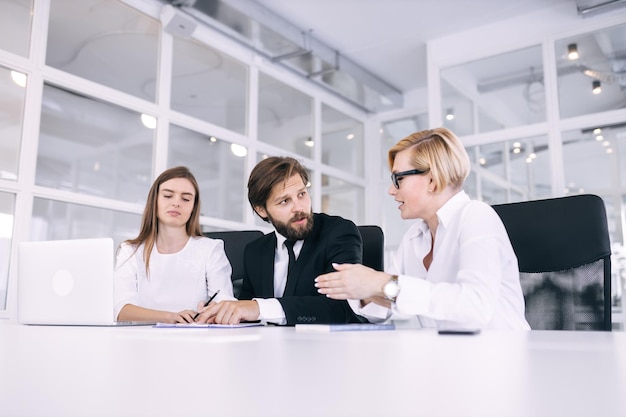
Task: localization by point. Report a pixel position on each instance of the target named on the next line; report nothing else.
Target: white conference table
(271, 371)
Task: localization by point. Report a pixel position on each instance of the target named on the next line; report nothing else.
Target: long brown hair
(149, 222)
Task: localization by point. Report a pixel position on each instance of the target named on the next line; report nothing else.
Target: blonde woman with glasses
(455, 268)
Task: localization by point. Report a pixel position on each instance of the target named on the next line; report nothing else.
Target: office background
(100, 96)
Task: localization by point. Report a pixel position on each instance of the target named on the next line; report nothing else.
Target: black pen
(207, 303)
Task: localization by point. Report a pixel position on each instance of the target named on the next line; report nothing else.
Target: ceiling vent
(297, 49)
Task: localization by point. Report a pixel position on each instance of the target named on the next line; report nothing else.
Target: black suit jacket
(333, 239)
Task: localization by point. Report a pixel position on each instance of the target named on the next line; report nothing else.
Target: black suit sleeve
(339, 241)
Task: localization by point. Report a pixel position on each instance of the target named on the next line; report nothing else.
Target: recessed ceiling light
(596, 87)
(572, 51)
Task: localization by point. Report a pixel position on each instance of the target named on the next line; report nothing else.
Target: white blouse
(177, 281)
(473, 280)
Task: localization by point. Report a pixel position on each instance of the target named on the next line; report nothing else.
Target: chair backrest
(235, 242)
(373, 247)
(564, 255)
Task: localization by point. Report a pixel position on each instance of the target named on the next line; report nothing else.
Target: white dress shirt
(178, 281)
(473, 280)
(270, 309)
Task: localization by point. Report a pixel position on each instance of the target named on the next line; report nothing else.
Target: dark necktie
(292, 256)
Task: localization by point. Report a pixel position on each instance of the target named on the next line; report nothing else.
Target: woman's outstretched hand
(351, 281)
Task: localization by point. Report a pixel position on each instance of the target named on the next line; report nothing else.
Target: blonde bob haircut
(439, 152)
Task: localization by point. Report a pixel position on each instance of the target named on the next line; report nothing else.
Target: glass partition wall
(100, 96)
(494, 93)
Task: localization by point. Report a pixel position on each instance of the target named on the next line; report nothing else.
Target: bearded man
(281, 267)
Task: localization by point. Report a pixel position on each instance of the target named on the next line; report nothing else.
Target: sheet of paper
(206, 325)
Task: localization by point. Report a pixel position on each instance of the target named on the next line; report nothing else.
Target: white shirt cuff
(373, 312)
(270, 310)
(414, 297)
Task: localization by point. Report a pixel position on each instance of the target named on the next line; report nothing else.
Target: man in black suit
(275, 288)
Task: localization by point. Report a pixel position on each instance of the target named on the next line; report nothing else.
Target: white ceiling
(388, 37)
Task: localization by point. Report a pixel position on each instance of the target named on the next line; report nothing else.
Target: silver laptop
(67, 282)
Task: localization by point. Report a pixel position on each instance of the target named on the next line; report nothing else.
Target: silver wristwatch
(391, 289)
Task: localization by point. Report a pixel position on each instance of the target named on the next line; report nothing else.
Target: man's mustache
(299, 216)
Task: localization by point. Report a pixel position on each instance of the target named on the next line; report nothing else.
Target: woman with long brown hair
(170, 268)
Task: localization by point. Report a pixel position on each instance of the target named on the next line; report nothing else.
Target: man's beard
(291, 232)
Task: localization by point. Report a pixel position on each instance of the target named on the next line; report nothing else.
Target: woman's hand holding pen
(203, 306)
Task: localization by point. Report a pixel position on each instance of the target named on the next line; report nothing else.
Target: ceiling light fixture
(238, 150)
(309, 142)
(148, 121)
(450, 114)
(572, 51)
(596, 87)
(18, 78)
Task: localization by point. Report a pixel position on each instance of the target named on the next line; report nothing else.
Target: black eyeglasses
(396, 176)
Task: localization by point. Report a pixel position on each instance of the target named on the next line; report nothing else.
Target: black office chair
(373, 247)
(235, 242)
(564, 255)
